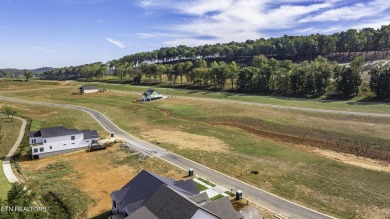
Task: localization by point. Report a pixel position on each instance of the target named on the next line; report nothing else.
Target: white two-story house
(58, 140)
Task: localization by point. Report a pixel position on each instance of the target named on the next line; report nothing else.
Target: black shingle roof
(88, 134)
(142, 187)
(53, 132)
(149, 92)
(151, 196)
(188, 185)
(223, 209)
(142, 213)
(88, 87)
(167, 204)
(34, 134)
(201, 198)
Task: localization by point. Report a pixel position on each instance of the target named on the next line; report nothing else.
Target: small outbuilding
(151, 95)
(86, 89)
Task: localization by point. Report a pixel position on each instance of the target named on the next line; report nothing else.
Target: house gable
(149, 195)
(141, 188)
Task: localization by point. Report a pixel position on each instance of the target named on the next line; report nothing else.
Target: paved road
(9, 174)
(264, 199)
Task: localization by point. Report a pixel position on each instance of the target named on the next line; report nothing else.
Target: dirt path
(9, 174)
(35, 89)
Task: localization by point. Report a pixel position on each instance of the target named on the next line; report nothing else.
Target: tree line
(270, 66)
(296, 48)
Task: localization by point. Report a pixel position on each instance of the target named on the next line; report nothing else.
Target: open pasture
(245, 138)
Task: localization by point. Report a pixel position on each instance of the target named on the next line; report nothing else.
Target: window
(41, 150)
(35, 150)
(64, 144)
(114, 203)
(72, 138)
(33, 141)
(44, 141)
(87, 141)
(73, 143)
(51, 147)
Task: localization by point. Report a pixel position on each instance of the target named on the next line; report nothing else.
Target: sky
(60, 33)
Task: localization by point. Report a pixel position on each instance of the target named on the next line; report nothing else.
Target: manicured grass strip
(231, 194)
(207, 182)
(216, 197)
(200, 187)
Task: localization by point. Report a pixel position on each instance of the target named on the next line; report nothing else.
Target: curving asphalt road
(276, 204)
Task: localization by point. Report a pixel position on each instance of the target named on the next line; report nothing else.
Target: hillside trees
(380, 81)
(20, 197)
(27, 74)
(348, 78)
(10, 111)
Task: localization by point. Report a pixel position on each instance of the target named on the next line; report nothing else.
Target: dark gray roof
(149, 92)
(188, 185)
(223, 209)
(88, 87)
(88, 134)
(116, 216)
(142, 213)
(142, 187)
(167, 204)
(134, 206)
(34, 134)
(201, 198)
(53, 132)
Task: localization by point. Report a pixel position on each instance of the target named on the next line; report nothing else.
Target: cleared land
(292, 170)
(95, 174)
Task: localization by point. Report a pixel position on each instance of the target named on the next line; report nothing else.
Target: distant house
(86, 89)
(151, 196)
(58, 140)
(151, 95)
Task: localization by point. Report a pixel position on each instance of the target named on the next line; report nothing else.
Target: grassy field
(286, 168)
(10, 131)
(351, 105)
(78, 184)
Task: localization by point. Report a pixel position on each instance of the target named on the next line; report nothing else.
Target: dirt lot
(96, 174)
(186, 140)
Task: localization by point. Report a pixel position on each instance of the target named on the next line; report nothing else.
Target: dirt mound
(334, 146)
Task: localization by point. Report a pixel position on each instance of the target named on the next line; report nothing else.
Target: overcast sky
(58, 33)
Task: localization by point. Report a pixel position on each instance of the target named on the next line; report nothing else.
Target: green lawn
(216, 197)
(352, 105)
(207, 182)
(200, 187)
